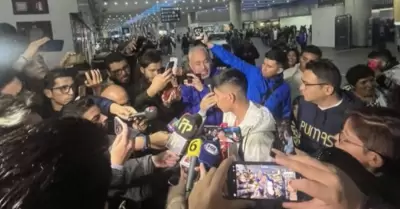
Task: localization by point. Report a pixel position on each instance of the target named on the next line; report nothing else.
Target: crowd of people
(63, 146)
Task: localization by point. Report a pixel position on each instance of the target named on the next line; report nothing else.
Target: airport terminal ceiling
(120, 12)
(142, 12)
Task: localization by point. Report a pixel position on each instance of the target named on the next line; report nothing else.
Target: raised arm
(234, 61)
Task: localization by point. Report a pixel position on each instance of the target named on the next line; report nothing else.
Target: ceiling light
(216, 0)
(126, 3)
(147, 2)
(214, 9)
(115, 3)
(105, 3)
(199, 7)
(175, 2)
(157, 2)
(135, 2)
(192, 1)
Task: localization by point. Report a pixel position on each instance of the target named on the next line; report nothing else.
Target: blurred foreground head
(55, 164)
(15, 112)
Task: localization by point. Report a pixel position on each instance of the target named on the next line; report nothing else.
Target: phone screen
(172, 124)
(254, 180)
(52, 46)
(170, 65)
(82, 91)
(118, 127)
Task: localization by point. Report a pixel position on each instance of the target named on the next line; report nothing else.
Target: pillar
(396, 12)
(191, 18)
(246, 16)
(360, 12)
(235, 13)
(168, 27)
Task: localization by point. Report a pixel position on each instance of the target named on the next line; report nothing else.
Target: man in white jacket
(255, 121)
(293, 75)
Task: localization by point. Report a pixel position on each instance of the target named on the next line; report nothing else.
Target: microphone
(193, 153)
(149, 113)
(210, 154)
(186, 128)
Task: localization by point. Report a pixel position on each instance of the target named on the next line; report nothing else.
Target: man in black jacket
(151, 86)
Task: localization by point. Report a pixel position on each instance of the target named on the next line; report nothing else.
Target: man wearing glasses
(322, 109)
(60, 90)
(119, 71)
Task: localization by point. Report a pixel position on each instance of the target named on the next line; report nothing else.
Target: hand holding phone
(214, 187)
(122, 146)
(261, 180)
(52, 46)
(159, 82)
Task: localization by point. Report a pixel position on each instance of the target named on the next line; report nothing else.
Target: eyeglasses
(65, 89)
(345, 140)
(121, 71)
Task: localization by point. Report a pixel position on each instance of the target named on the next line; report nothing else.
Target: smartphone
(52, 46)
(119, 124)
(198, 33)
(82, 91)
(261, 181)
(172, 124)
(174, 67)
(210, 88)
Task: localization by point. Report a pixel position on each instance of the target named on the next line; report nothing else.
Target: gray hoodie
(257, 129)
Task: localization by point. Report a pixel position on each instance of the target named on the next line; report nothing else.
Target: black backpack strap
(269, 91)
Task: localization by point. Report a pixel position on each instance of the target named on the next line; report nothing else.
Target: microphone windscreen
(187, 126)
(210, 154)
(194, 147)
(151, 113)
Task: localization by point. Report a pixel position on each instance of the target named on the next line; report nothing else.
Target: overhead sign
(329, 2)
(381, 4)
(170, 14)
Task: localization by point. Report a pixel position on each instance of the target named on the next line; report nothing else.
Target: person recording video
(151, 86)
(195, 89)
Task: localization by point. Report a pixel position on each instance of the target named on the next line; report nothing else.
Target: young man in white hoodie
(256, 122)
(293, 75)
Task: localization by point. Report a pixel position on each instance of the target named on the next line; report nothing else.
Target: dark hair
(382, 54)
(313, 50)
(326, 72)
(77, 108)
(149, 57)
(379, 129)
(295, 51)
(113, 57)
(358, 72)
(60, 163)
(232, 77)
(51, 76)
(13, 112)
(278, 55)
